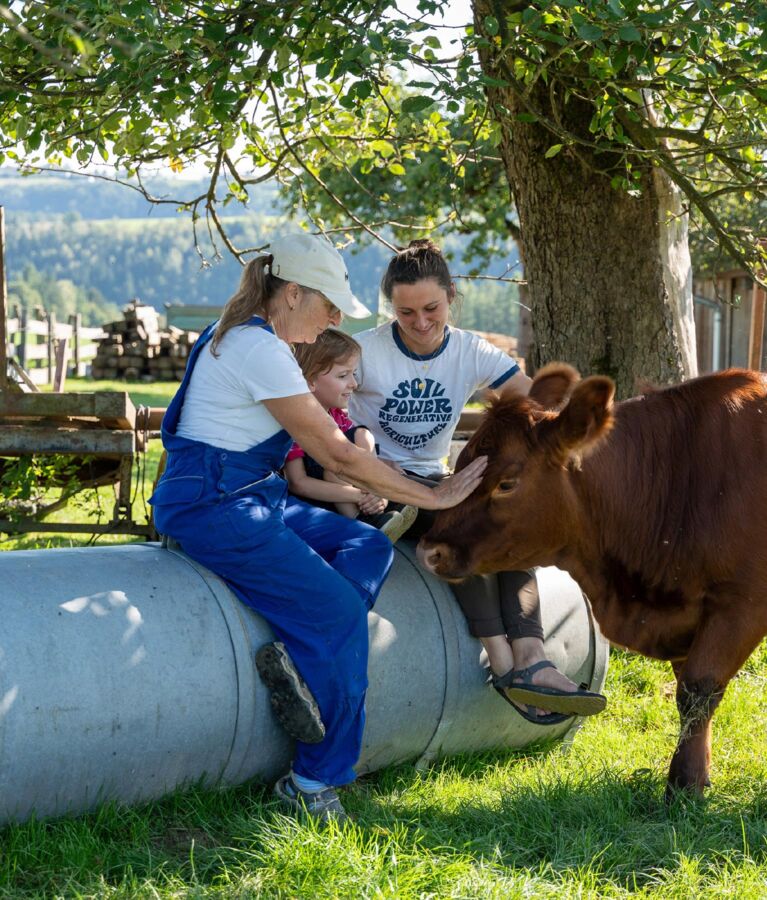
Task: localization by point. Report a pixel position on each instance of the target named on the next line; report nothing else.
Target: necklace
(425, 366)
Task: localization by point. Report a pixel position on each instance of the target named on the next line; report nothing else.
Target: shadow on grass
(615, 826)
(495, 813)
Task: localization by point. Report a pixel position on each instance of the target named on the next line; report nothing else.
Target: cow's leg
(723, 642)
(696, 700)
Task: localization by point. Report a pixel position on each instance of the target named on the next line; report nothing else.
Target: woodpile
(504, 342)
(135, 348)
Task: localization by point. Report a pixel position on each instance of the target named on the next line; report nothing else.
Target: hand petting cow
(656, 506)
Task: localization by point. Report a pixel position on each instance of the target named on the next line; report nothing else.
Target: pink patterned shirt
(338, 416)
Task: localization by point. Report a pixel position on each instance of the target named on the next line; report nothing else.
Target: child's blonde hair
(331, 346)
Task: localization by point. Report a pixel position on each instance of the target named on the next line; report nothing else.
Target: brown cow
(656, 506)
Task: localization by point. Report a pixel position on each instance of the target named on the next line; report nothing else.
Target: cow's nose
(430, 555)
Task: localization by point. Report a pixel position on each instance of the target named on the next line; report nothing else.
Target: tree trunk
(610, 284)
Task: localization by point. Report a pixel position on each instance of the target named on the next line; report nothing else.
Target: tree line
(63, 252)
(33, 289)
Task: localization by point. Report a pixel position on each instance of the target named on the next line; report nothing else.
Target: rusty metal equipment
(102, 432)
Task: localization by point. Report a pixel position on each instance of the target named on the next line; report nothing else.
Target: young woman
(415, 377)
(242, 403)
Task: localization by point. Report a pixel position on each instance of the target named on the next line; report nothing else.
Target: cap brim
(349, 305)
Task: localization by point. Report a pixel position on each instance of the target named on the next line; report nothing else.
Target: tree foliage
(680, 85)
(353, 104)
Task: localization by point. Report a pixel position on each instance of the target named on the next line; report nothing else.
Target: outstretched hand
(455, 488)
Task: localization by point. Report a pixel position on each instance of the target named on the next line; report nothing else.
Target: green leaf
(364, 89)
(629, 33)
(491, 25)
(383, 148)
(619, 58)
(416, 103)
(590, 33)
(396, 168)
(553, 37)
(492, 82)
(553, 150)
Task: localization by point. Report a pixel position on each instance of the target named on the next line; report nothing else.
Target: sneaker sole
(292, 701)
(572, 704)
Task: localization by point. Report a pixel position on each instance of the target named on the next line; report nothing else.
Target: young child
(328, 366)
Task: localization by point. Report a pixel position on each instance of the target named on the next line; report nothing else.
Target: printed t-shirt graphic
(412, 403)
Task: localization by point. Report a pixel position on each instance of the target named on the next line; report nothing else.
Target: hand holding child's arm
(372, 504)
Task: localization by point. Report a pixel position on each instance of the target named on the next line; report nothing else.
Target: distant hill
(47, 194)
(110, 242)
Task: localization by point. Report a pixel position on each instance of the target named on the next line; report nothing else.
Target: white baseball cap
(312, 261)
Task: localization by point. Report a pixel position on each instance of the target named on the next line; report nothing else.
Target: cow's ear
(585, 420)
(552, 385)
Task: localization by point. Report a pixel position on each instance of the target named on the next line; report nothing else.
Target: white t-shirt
(223, 403)
(412, 403)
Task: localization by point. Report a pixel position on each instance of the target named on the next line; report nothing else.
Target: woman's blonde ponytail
(256, 289)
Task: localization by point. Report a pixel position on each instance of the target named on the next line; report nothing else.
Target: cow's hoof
(690, 791)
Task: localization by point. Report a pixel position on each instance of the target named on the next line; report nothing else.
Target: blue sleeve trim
(505, 377)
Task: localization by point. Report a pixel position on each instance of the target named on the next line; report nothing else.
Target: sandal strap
(523, 675)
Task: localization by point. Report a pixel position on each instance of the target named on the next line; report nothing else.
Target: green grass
(150, 393)
(582, 822)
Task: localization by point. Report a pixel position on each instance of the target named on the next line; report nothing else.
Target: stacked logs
(135, 348)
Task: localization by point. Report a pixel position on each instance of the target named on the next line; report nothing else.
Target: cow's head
(523, 510)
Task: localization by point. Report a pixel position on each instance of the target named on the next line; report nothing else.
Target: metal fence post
(3, 308)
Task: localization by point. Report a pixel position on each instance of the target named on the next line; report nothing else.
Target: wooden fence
(48, 350)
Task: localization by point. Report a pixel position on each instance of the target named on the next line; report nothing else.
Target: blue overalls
(312, 574)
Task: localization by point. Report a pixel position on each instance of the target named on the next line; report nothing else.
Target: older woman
(310, 573)
(416, 374)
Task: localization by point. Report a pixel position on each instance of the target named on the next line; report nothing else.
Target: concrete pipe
(127, 671)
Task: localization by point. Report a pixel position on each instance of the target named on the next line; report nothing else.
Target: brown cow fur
(656, 506)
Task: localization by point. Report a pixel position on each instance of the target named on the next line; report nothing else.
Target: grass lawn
(582, 822)
(587, 822)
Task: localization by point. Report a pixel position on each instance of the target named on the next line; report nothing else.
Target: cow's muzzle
(440, 559)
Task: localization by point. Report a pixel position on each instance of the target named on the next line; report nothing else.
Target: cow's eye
(507, 485)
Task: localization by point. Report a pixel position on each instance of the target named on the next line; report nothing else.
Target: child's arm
(370, 504)
(310, 488)
(364, 439)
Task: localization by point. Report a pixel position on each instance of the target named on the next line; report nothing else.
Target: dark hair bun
(422, 244)
(421, 259)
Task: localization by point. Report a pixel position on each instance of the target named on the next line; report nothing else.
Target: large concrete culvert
(127, 671)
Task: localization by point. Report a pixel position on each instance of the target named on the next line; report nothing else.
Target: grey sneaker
(323, 805)
(292, 701)
(398, 522)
